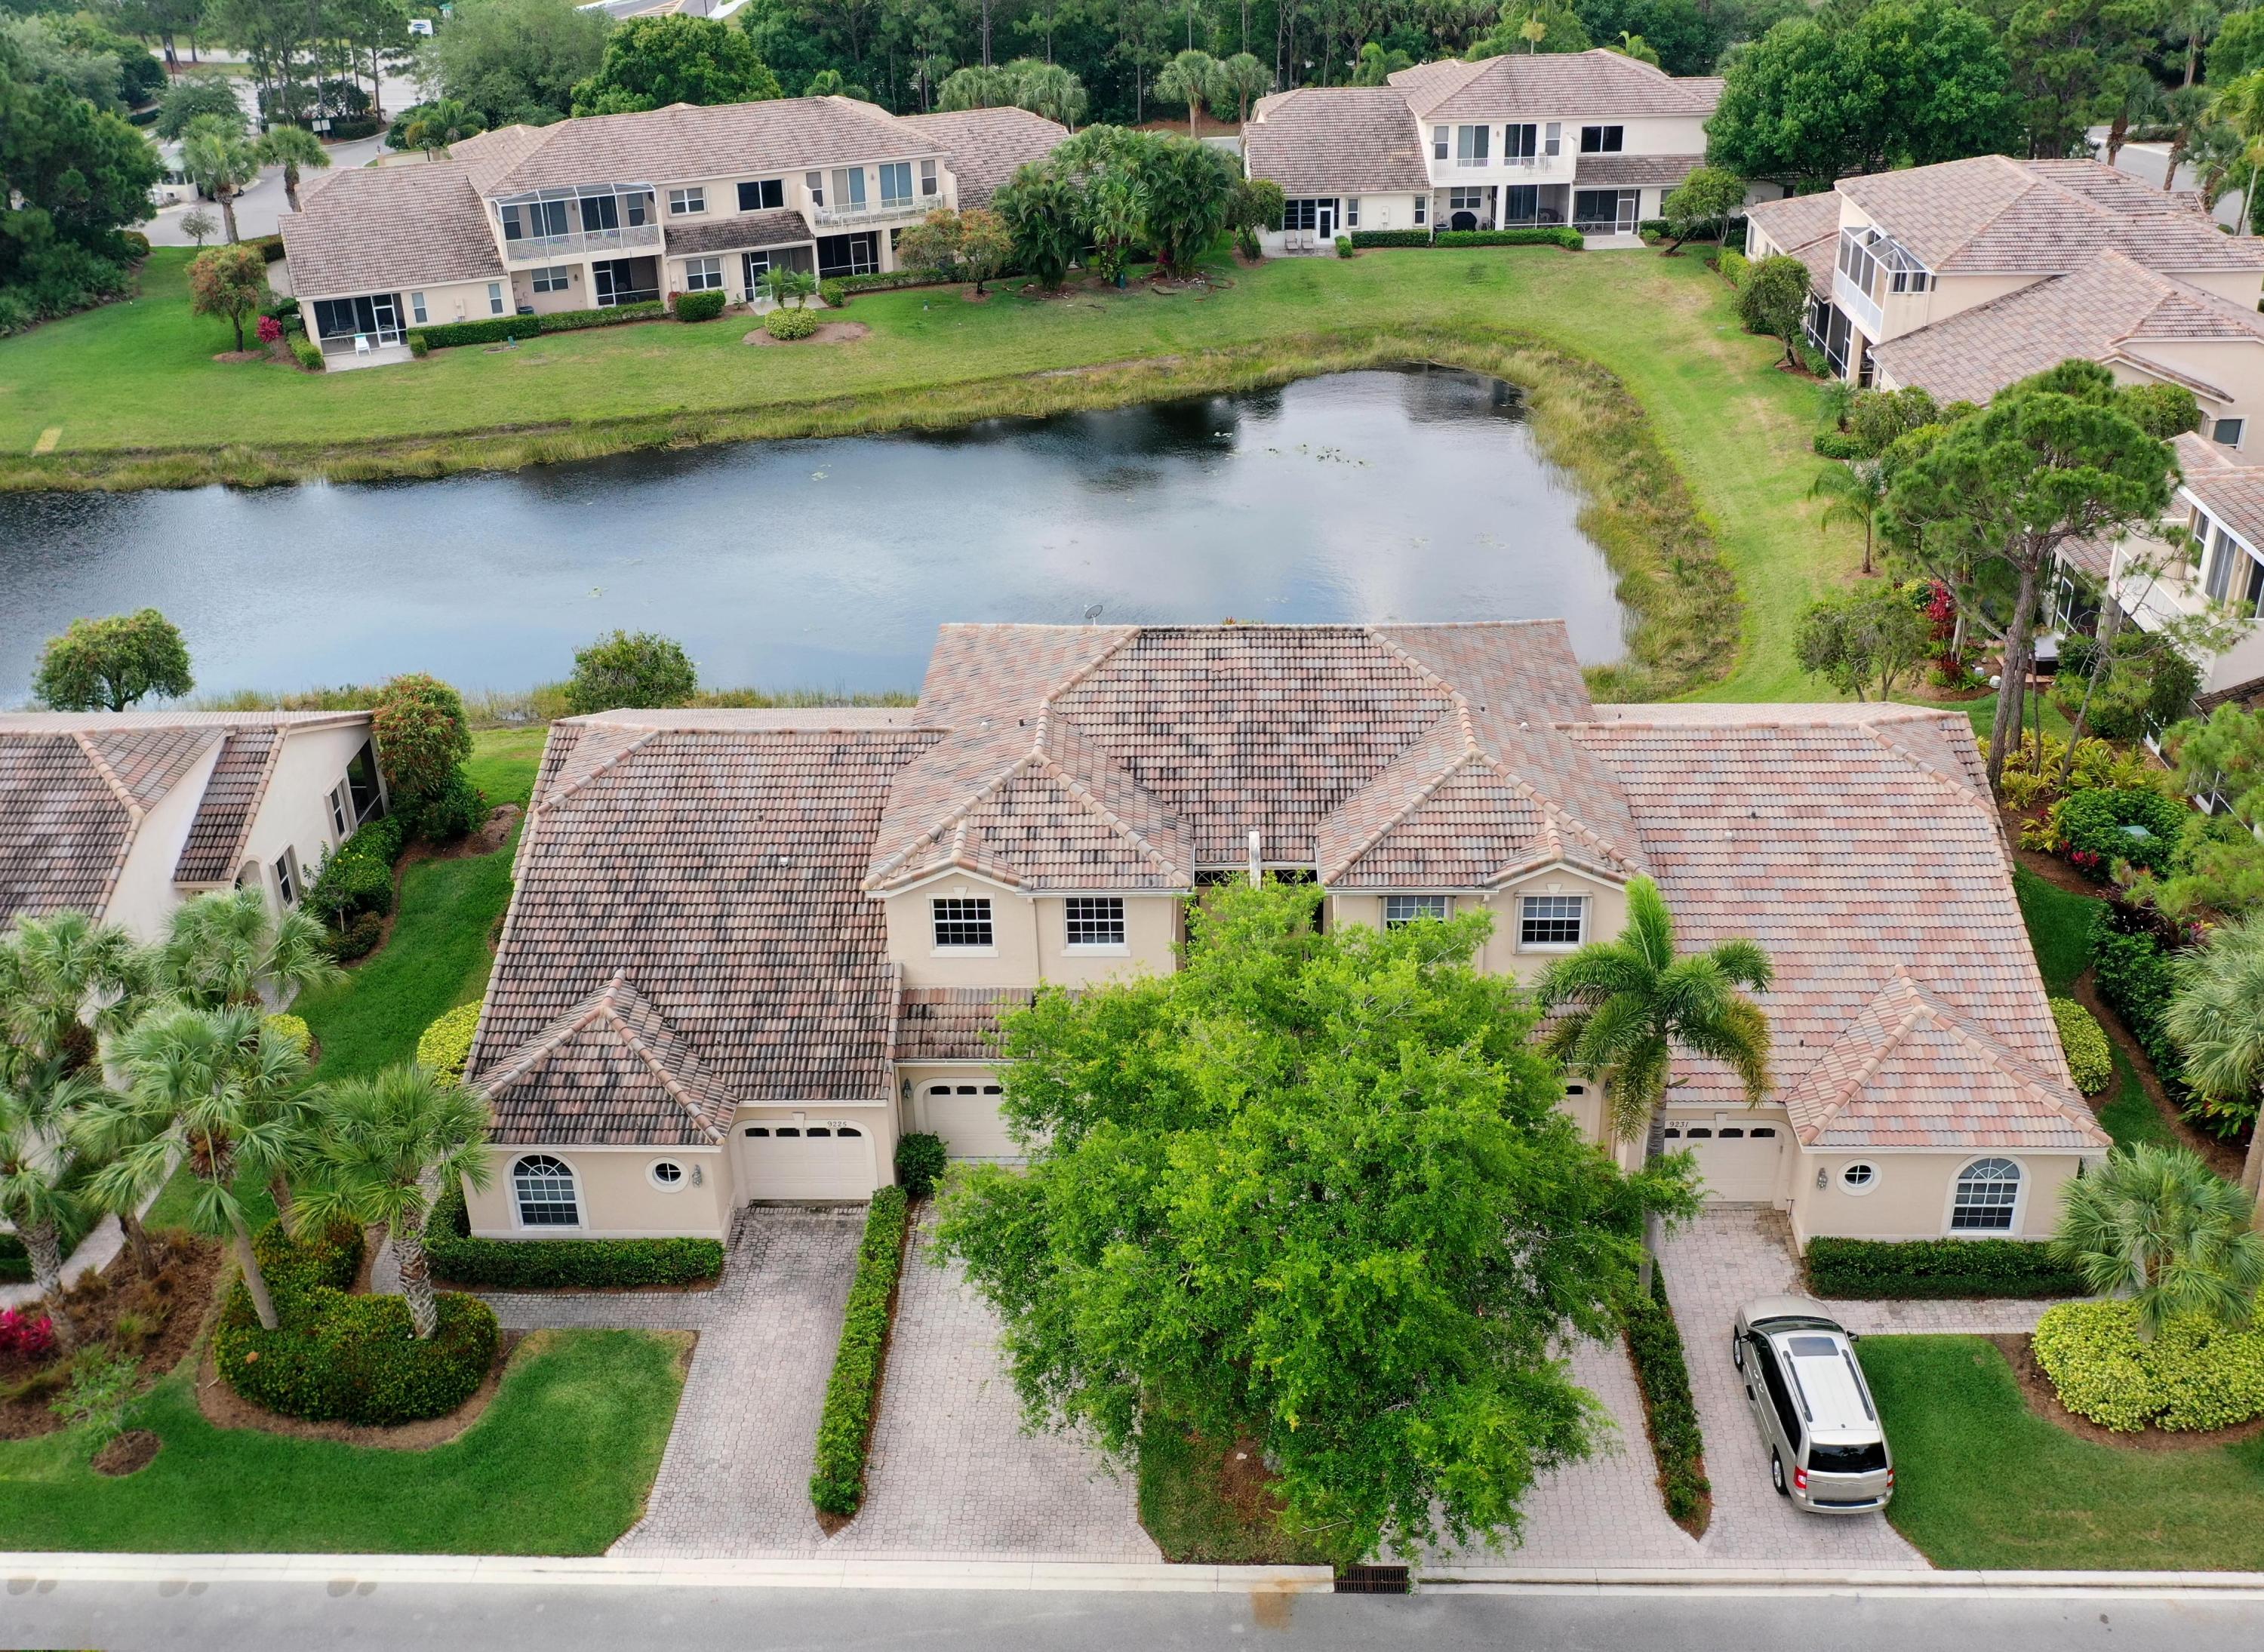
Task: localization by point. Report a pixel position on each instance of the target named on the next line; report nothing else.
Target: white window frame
(687, 202)
(930, 185)
(417, 309)
(1580, 901)
(287, 882)
(1119, 947)
(963, 912)
(1611, 138)
(703, 275)
(494, 298)
(1422, 210)
(2018, 1208)
(1869, 1184)
(551, 277)
(814, 183)
(341, 804)
(1472, 145)
(1552, 138)
(573, 1187)
(896, 171)
(1438, 143)
(652, 1173)
(1351, 212)
(1414, 908)
(2217, 429)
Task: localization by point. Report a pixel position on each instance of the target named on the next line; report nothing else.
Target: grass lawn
(139, 375)
(1981, 1481)
(1201, 1509)
(559, 1464)
(2059, 928)
(504, 762)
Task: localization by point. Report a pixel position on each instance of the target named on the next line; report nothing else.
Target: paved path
(103, 1242)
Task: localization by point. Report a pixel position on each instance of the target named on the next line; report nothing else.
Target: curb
(1727, 1580)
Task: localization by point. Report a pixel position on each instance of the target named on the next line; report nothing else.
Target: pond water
(1410, 495)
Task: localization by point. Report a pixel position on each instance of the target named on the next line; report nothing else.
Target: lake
(1408, 495)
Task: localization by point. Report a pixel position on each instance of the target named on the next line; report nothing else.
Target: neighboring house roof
(1806, 228)
(2108, 309)
(2232, 492)
(1337, 141)
(682, 142)
(703, 868)
(1858, 846)
(780, 226)
(239, 780)
(1994, 216)
(1597, 83)
(374, 228)
(954, 1023)
(1629, 171)
(987, 147)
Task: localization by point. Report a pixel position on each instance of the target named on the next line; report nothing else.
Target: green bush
(575, 321)
(270, 247)
(2084, 1041)
(846, 1427)
(698, 306)
(292, 1029)
(2134, 976)
(1733, 265)
(790, 323)
(834, 293)
(920, 1163)
(1669, 1411)
(452, 334)
(357, 876)
(459, 809)
(1833, 444)
(2137, 824)
(880, 282)
(444, 1046)
(308, 354)
(419, 346)
(2196, 1375)
(357, 939)
(577, 1265)
(1544, 236)
(630, 669)
(1390, 237)
(1246, 243)
(1343, 246)
(1869, 1269)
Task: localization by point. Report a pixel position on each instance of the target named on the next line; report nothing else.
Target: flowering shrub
(24, 1337)
(270, 330)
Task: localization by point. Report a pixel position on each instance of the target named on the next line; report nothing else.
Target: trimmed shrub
(698, 306)
(446, 1045)
(920, 1163)
(846, 1427)
(2134, 976)
(293, 1030)
(1868, 1269)
(1733, 265)
(2196, 1375)
(269, 247)
(495, 329)
(1343, 246)
(308, 353)
(1831, 444)
(880, 282)
(2135, 823)
(1390, 237)
(357, 876)
(1655, 1345)
(833, 292)
(419, 346)
(357, 939)
(2084, 1042)
(790, 323)
(577, 1265)
(1542, 236)
(575, 321)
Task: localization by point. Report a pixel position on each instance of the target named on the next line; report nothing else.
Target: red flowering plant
(24, 1337)
(270, 330)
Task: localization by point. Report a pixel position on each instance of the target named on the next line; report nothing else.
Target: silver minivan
(1827, 1449)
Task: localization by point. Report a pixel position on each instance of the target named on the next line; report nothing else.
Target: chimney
(1257, 877)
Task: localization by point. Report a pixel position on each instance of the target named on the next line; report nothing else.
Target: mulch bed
(172, 1306)
(129, 1453)
(830, 333)
(224, 1408)
(2043, 1399)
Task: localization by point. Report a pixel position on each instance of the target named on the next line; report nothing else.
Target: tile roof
(1993, 215)
(65, 825)
(2232, 492)
(389, 229)
(1337, 141)
(609, 1071)
(2107, 309)
(1665, 172)
(987, 147)
(683, 144)
(954, 1023)
(742, 232)
(1856, 845)
(1554, 83)
(708, 863)
(1806, 228)
(239, 780)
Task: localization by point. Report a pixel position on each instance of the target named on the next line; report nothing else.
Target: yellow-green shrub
(2196, 1375)
(293, 1030)
(446, 1045)
(2084, 1042)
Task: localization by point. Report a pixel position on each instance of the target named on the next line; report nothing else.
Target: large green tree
(1314, 1192)
(515, 60)
(113, 663)
(71, 177)
(652, 62)
(2066, 57)
(1044, 213)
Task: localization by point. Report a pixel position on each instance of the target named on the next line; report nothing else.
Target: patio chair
(361, 344)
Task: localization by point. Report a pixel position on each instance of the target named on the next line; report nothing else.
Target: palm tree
(218, 1089)
(221, 161)
(441, 123)
(294, 149)
(2217, 1020)
(2195, 23)
(39, 1095)
(2156, 1224)
(231, 947)
(1858, 491)
(2187, 107)
(385, 1144)
(66, 982)
(1188, 78)
(1636, 47)
(1632, 1001)
(1244, 78)
(2241, 106)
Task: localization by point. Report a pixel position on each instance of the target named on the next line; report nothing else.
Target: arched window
(1988, 1190)
(544, 1188)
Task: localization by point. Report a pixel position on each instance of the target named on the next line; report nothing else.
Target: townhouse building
(618, 209)
(1590, 139)
(747, 951)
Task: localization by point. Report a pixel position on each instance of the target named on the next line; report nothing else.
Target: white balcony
(1859, 307)
(877, 212)
(2155, 592)
(550, 249)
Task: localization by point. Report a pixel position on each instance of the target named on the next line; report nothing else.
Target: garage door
(825, 1158)
(966, 1116)
(1738, 1163)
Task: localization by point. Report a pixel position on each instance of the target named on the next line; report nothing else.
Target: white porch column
(1500, 202)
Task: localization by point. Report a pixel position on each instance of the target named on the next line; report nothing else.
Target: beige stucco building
(748, 950)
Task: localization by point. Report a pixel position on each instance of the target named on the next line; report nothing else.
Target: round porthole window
(667, 1175)
(1860, 1178)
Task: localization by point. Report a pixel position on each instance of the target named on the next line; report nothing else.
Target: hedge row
(451, 335)
(337, 1357)
(357, 876)
(1870, 1269)
(2136, 978)
(1392, 237)
(698, 306)
(1669, 1411)
(1544, 235)
(845, 1428)
(445, 1046)
(519, 1265)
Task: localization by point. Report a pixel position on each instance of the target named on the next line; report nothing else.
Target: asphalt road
(236, 1617)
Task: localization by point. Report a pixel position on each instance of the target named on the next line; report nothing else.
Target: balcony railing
(546, 248)
(879, 211)
(1860, 306)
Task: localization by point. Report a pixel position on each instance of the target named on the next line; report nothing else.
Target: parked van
(1827, 1449)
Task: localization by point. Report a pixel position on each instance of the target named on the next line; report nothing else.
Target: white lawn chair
(361, 344)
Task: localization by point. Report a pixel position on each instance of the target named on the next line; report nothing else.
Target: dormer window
(1400, 910)
(962, 922)
(1546, 921)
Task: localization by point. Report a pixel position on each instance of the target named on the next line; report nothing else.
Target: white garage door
(824, 1158)
(1738, 1163)
(966, 1116)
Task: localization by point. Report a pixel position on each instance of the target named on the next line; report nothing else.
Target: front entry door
(1324, 221)
(602, 279)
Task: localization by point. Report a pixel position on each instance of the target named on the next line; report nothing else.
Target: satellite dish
(1092, 614)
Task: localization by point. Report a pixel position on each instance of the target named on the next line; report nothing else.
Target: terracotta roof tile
(740, 232)
(389, 228)
(1337, 141)
(65, 826)
(1525, 84)
(609, 1071)
(239, 780)
(953, 1024)
(989, 146)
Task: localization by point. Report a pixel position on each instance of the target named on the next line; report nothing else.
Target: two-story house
(123, 815)
(747, 951)
(1590, 139)
(1964, 278)
(618, 209)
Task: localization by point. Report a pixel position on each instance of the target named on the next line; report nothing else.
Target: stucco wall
(1502, 954)
(617, 1197)
(1030, 940)
(1911, 1197)
(296, 810)
(144, 897)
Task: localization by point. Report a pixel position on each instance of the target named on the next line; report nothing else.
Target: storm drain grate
(1372, 1580)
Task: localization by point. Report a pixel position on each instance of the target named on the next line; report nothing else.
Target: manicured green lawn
(559, 1464)
(1981, 1481)
(1184, 1508)
(504, 762)
(2059, 927)
(140, 374)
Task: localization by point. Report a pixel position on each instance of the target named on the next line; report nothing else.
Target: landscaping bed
(2042, 1398)
(852, 1394)
(1670, 1414)
(562, 1265)
(1876, 1270)
(154, 1321)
